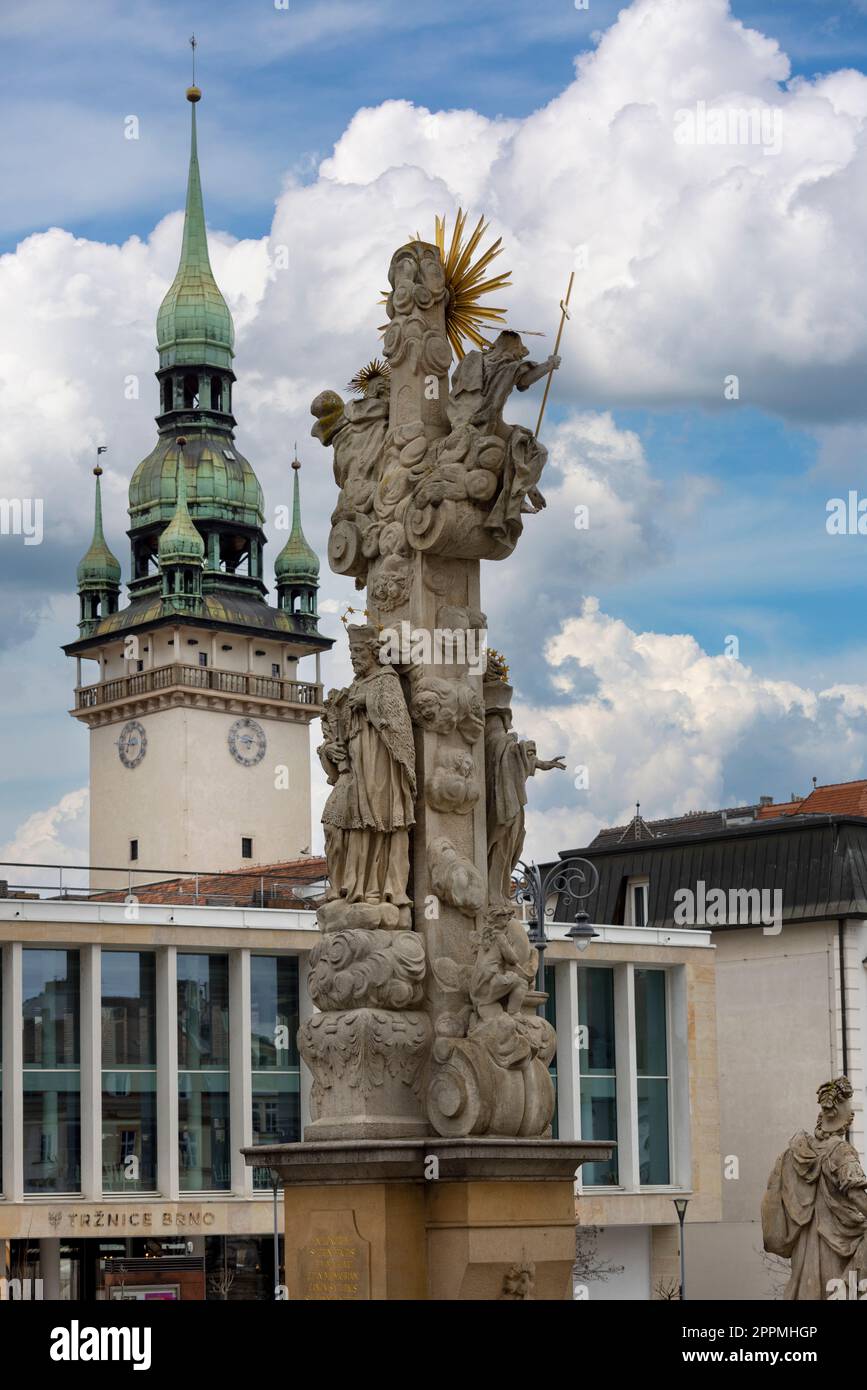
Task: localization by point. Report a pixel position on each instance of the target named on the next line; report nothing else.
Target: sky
(702, 641)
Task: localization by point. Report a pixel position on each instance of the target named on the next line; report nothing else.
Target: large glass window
(204, 1152)
(274, 1054)
(598, 1071)
(129, 1077)
(51, 1081)
(651, 1062)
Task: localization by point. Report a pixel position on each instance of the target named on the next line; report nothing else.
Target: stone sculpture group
(424, 976)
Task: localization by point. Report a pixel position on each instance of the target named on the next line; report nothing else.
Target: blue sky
(283, 84)
(748, 554)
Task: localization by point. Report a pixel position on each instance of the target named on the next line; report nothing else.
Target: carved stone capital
(368, 1067)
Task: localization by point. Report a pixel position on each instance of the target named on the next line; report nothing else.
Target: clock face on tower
(247, 742)
(132, 744)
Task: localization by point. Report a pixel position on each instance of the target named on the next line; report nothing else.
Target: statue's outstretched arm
(534, 371)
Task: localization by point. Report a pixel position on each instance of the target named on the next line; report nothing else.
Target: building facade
(146, 1043)
(782, 892)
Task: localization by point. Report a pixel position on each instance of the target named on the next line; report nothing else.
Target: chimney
(766, 801)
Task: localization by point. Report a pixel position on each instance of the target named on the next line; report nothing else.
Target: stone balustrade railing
(199, 678)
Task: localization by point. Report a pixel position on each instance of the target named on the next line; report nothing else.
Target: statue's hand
(554, 361)
(548, 764)
(357, 699)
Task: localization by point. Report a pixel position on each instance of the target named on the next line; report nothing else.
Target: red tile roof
(837, 798)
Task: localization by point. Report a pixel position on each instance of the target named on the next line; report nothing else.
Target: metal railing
(233, 888)
(198, 678)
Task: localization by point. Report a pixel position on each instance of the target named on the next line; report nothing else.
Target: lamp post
(275, 1181)
(575, 878)
(680, 1206)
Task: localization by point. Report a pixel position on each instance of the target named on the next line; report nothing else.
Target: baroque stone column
(423, 975)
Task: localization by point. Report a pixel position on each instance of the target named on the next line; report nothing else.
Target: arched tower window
(168, 394)
(191, 392)
(216, 393)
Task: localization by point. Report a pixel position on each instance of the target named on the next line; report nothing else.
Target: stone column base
(474, 1219)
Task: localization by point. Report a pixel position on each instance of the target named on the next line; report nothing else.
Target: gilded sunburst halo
(370, 379)
(465, 282)
(465, 316)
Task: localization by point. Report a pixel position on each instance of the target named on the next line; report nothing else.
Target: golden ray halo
(465, 316)
(365, 378)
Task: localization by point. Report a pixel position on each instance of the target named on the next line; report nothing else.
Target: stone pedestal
(441, 1219)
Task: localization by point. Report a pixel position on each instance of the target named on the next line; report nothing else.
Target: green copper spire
(180, 543)
(99, 570)
(297, 562)
(194, 324)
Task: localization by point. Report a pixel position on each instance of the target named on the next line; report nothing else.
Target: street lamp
(577, 879)
(275, 1183)
(680, 1206)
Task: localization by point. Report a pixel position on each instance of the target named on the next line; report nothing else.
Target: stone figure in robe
(509, 762)
(814, 1212)
(369, 759)
(481, 386)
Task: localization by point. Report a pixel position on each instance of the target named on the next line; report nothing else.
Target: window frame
(637, 881)
(626, 1078)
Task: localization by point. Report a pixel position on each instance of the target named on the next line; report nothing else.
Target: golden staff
(564, 315)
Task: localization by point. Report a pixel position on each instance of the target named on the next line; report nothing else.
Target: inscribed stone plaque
(334, 1261)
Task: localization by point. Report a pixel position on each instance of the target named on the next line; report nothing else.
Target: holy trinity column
(424, 975)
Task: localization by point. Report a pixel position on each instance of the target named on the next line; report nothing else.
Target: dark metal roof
(819, 863)
(237, 613)
(694, 823)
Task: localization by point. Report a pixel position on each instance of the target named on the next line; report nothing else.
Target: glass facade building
(204, 1124)
(126, 1071)
(133, 1072)
(129, 1071)
(52, 1074)
(274, 1054)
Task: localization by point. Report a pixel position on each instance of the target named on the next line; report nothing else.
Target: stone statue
(369, 760)
(494, 1051)
(356, 432)
(368, 1046)
(481, 386)
(814, 1212)
(509, 762)
(519, 1283)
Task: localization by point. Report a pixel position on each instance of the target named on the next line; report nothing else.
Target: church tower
(199, 737)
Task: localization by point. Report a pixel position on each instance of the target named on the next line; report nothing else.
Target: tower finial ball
(194, 94)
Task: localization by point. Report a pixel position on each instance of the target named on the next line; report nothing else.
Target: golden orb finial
(194, 93)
